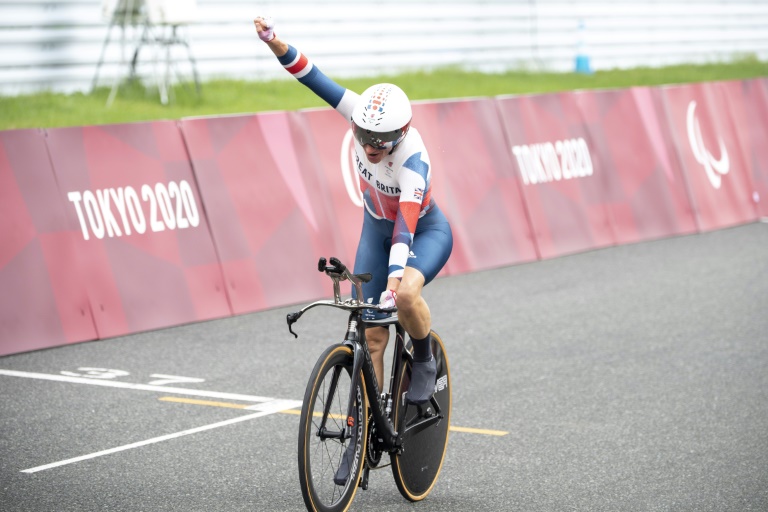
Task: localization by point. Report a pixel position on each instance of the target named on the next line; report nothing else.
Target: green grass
(135, 103)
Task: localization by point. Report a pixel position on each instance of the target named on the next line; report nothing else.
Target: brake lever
(292, 318)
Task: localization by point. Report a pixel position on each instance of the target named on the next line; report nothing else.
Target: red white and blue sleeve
(298, 65)
(415, 196)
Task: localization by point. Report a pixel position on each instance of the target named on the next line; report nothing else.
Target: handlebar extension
(338, 272)
(336, 266)
(339, 265)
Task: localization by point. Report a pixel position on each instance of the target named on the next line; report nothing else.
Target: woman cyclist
(403, 230)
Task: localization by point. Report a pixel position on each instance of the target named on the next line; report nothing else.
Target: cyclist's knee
(409, 291)
(408, 297)
(377, 338)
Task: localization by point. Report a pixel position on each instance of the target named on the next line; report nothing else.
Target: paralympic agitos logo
(348, 173)
(714, 168)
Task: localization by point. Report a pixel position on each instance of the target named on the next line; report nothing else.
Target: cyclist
(403, 229)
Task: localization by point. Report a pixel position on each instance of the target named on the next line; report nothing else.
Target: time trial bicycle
(343, 405)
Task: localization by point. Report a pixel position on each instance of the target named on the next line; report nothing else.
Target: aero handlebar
(338, 272)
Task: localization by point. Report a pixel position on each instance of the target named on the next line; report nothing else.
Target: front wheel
(322, 443)
(416, 469)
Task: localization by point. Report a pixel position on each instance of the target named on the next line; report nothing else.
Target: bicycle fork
(350, 421)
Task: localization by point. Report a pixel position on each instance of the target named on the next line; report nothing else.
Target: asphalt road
(633, 378)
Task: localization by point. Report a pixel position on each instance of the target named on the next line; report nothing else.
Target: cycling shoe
(422, 387)
(342, 474)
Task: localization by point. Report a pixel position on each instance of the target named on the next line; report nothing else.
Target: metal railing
(57, 44)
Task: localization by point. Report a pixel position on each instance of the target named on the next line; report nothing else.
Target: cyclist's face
(374, 155)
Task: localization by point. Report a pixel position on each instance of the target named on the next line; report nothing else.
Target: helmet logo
(376, 103)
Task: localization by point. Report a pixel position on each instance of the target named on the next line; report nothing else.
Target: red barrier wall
(142, 233)
(747, 103)
(264, 200)
(563, 186)
(117, 229)
(710, 155)
(42, 303)
(475, 185)
(645, 193)
(329, 147)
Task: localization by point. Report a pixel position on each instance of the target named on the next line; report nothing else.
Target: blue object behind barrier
(583, 65)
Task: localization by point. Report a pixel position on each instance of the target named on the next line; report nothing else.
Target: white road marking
(153, 440)
(140, 387)
(266, 407)
(276, 405)
(173, 379)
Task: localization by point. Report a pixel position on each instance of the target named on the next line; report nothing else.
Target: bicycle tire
(319, 457)
(416, 469)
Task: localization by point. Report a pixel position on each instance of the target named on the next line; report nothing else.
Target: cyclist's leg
(373, 257)
(377, 338)
(414, 316)
(432, 245)
(430, 250)
(413, 311)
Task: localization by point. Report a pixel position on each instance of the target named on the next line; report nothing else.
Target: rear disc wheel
(416, 469)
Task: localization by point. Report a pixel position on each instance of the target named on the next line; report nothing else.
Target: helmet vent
(377, 101)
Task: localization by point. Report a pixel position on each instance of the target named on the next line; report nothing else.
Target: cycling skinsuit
(402, 224)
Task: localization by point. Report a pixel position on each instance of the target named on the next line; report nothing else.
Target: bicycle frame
(391, 439)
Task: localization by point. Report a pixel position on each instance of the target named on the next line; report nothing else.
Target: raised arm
(297, 64)
(265, 30)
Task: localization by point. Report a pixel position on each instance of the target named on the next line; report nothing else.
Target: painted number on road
(97, 373)
(111, 373)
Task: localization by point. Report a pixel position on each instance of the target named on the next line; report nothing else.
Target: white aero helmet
(382, 116)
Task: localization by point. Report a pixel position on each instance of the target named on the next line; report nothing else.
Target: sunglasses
(378, 140)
